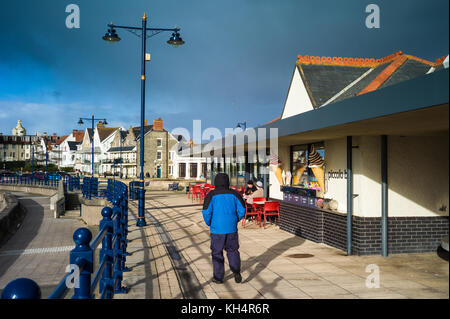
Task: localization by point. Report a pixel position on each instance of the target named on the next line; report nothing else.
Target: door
(158, 172)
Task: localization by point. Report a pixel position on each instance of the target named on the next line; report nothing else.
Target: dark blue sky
(236, 64)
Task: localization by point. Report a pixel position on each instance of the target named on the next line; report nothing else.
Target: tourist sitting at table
(258, 193)
(250, 188)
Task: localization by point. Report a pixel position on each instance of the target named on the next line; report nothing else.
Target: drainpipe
(349, 195)
(384, 197)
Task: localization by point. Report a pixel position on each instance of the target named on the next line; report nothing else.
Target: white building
(184, 165)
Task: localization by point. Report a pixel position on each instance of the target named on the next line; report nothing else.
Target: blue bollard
(22, 288)
(106, 282)
(82, 253)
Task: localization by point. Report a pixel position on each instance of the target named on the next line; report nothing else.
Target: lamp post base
(141, 207)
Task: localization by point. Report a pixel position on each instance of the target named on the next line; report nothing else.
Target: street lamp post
(175, 40)
(32, 158)
(80, 122)
(121, 160)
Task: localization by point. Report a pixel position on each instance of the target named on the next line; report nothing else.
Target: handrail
(113, 230)
(59, 291)
(99, 271)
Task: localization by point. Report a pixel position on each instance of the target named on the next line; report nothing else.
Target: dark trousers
(229, 242)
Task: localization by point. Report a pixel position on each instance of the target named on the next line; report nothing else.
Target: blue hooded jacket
(223, 207)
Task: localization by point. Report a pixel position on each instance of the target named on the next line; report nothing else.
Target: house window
(158, 155)
(182, 169)
(170, 170)
(159, 142)
(171, 155)
(193, 170)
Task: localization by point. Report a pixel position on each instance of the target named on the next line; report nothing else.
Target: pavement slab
(275, 264)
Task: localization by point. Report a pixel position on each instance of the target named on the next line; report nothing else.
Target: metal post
(84, 255)
(46, 159)
(120, 138)
(118, 274)
(32, 159)
(92, 159)
(349, 195)
(384, 197)
(141, 204)
(106, 282)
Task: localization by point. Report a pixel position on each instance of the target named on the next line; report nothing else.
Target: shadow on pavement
(27, 231)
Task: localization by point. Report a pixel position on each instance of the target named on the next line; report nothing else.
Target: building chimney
(100, 124)
(145, 123)
(158, 124)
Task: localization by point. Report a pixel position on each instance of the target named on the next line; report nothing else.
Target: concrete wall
(418, 175)
(57, 199)
(46, 191)
(10, 214)
(91, 210)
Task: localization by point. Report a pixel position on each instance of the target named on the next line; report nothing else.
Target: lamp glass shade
(80, 122)
(175, 40)
(111, 36)
(104, 122)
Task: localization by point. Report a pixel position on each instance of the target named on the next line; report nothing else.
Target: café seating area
(258, 211)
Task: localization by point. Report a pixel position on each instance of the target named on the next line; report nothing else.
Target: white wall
(283, 156)
(336, 161)
(297, 100)
(418, 175)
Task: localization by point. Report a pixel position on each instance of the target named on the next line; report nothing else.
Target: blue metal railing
(113, 230)
(72, 182)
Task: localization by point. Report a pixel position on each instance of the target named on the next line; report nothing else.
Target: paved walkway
(40, 248)
(275, 264)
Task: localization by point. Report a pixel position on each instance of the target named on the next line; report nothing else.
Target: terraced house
(158, 144)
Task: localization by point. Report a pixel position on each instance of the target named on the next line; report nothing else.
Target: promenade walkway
(40, 248)
(171, 259)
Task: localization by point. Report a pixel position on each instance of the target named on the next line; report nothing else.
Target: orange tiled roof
(361, 62)
(61, 139)
(274, 120)
(78, 135)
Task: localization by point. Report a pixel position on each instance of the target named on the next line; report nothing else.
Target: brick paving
(275, 264)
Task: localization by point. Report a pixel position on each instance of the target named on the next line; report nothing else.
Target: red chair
(197, 193)
(258, 207)
(270, 209)
(190, 190)
(249, 212)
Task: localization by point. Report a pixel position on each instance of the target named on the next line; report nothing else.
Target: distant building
(158, 142)
(18, 146)
(68, 148)
(19, 130)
